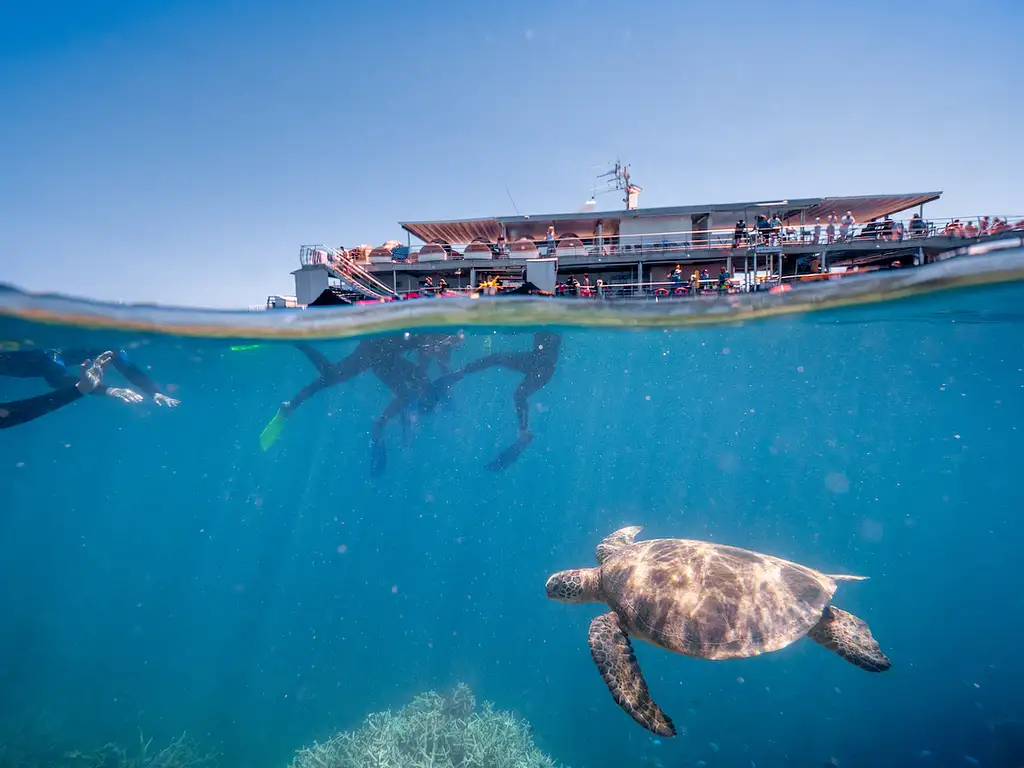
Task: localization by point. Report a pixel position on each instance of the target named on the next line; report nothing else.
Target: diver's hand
(161, 399)
(128, 395)
(90, 375)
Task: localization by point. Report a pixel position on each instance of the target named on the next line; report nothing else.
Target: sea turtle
(705, 600)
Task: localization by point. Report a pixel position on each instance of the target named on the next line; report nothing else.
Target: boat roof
(863, 207)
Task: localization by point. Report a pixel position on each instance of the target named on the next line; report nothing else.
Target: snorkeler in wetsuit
(384, 357)
(437, 348)
(51, 365)
(90, 379)
(537, 367)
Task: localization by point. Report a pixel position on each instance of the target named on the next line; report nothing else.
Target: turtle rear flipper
(851, 638)
(613, 654)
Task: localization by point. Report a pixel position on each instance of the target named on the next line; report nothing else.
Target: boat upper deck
(788, 236)
(673, 219)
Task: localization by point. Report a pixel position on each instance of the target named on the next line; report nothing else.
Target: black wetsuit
(51, 366)
(384, 357)
(537, 367)
(21, 411)
(58, 367)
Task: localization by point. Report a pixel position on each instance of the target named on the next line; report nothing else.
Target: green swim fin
(272, 431)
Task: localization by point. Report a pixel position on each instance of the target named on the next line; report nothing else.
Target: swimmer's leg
(516, 361)
(317, 358)
(534, 382)
(508, 456)
(524, 437)
(444, 359)
(330, 376)
(378, 449)
(438, 390)
(441, 385)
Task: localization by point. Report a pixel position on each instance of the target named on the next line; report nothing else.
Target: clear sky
(181, 151)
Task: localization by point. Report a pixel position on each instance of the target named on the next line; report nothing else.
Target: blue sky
(182, 151)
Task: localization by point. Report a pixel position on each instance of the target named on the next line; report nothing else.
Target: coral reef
(35, 744)
(432, 731)
(180, 753)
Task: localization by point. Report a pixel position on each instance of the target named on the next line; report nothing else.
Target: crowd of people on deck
(772, 232)
(986, 226)
(769, 230)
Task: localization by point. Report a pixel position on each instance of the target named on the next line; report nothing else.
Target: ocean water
(163, 574)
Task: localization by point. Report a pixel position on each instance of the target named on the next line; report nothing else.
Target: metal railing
(741, 282)
(689, 244)
(345, 269)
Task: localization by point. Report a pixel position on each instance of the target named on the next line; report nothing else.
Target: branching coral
(432, 731)
(180, 753)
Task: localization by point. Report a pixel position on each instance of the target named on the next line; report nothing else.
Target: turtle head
(580, 585)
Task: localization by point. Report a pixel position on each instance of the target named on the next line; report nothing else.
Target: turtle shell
(712, 601)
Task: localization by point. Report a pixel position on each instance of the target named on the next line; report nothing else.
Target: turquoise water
(161, 572)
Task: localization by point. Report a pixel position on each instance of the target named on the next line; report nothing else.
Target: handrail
(651, 290)
(376, 289)
(343, 268)
(724, 238)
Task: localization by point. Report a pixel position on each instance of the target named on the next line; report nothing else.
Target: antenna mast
(618, 178)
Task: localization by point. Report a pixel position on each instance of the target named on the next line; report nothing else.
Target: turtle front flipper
(613, 542)
(613, 654)
(850, 637)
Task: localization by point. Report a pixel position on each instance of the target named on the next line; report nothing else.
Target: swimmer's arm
(21, 411)
(127, 395)
(135, 375)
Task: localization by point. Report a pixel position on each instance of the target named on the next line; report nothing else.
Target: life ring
(661, 291)
(680, 292)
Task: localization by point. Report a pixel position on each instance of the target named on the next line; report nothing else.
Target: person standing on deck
(775, 225)
(846, 226)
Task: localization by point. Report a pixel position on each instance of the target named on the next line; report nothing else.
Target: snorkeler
(90, 379)
(437, 348)
(537, 367)
(384, 357)
(51, 365)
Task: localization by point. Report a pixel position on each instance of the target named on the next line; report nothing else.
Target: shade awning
(863, 207)
(451, 232)
(584, 225)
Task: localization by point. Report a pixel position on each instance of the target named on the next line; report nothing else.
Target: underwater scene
(769, 531)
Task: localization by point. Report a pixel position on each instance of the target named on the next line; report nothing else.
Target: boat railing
(690, 244)
(344, 268)
(739, 282)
